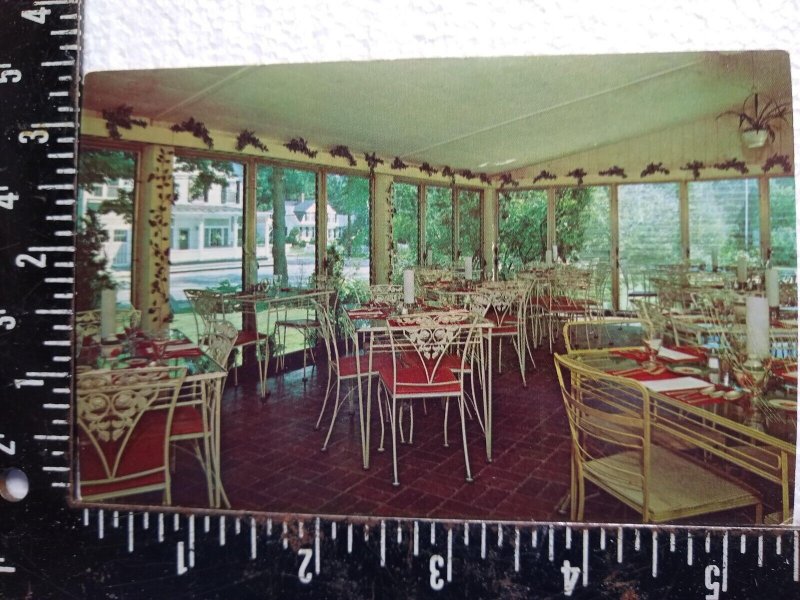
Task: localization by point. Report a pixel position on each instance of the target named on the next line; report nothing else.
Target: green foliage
(349, 196)
(90, 263)
(439, 226)
(98, 167)
(469, 223)
(523, 228)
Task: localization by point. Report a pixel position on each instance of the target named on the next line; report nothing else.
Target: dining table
(204, 376)
(370, 324)
(755, 431)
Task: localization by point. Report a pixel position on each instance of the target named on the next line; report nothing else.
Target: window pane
(522, 229)
(438, 226)
(286, 213)
(405, 228)
(348, 230)
(105, 226)
(724, 218)
(206, 224)
(469, 224)
(583, 232)
(783, 231)
(649, 233)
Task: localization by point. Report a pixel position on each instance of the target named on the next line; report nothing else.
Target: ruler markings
(53, 311)
(61, 154)
(61, 390)
(52, 125)
(55, 406)
(51, 249)
(61, 63)
(55, 469)
(65, 78)
(59, 422)
(65, 140)
(64, 264)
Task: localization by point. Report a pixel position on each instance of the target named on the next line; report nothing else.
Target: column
(381, 239)
(489, 230)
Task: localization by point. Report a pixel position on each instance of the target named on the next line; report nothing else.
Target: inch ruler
(49, 548)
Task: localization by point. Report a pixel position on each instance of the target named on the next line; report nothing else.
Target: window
(105, 226)
(783, 232)
(216, 237)
(724, 219)
(349, 230)
(649, 232)
(469, 225)
(183, 239)
(284, 197)
(438, 226)
(522, 229)
(405, 228)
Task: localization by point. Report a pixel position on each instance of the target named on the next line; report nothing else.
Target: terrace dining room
(521, 288)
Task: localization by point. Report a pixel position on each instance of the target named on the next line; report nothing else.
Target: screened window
(405, 227)
(438, 226)
(469, 224)
(649, 233)
(522, 229)
(105, 226)
(286, 211)
(724, 219)
(349, 230)
(783, 231)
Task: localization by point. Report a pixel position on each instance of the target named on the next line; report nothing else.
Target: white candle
(468, 267)
(714, 260)
(408, 286)
(108, 314)
(757, 327)
(773, 287)
(548, 257)
(555, 253)
(741, 269)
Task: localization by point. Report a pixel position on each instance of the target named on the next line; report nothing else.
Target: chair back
(428, 347)
(124, 418)
(502, 302)
(221, 339)
(604, 333)
(387, 293)
(607, 416)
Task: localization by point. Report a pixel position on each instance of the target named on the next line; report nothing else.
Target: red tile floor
(272, 462)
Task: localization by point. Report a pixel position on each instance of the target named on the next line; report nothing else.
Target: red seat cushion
(413, 381)
(245, 338)
(186, 420)
(144, 451)
(349, 364)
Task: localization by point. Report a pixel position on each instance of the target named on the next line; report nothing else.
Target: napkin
(675, 355)
(675, 384)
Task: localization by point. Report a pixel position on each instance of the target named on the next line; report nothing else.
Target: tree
(349, 195)
(98, 167)
(90, 262)
(439, 225)
(204, 173)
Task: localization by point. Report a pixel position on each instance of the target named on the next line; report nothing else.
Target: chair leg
(380, 418)
(336, 407)
(325, 401)
(464, 438)
(393, 424)
(446, 409)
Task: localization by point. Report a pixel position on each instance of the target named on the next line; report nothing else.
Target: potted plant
(757, 120)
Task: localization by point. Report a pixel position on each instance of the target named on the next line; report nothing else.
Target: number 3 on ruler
(10, 448)
(436, 563)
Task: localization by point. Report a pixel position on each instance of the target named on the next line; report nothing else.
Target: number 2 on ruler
(10, 448)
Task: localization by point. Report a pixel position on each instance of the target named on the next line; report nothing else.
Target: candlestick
(108, 314)
(757, 327)
(408, 286)
(773, 288)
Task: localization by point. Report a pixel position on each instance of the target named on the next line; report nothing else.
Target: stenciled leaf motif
(614, 171)
(695, 167)
(507, 179)
(301, 146)
(197, 129)
(484, 178)
(653, 168)
(120, 117)
(781, 160)
(343, 152)
(578, 174)
(543, 174)
(248, 138)
(467, 174)
(427, 168)
(732, 163)
(373, 161)
(398, 164)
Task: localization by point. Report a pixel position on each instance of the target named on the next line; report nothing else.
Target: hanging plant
(398, 164)
(578, 174)
(484, 178)
(653, 168)
(373, 161)
(781, 160)
(448, 172)
(695, 167)
(343, 152)
(544, 175)
(248, 138)
(761, 119)
(614, 171)
(426, 168)
(301, 146)
(467, 174)
(736, 165)
(197, 129)
(120, 117)
(506, 179)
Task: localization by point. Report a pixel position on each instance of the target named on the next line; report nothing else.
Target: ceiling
(483, 114)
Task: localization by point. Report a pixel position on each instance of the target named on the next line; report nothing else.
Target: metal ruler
(49, 548)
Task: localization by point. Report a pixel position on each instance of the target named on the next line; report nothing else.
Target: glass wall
(724, 219)
(349, 231)
(469, 225)
(649, 233)
(782, 227)
(104, 236)
(522, 229)
(438, 250)
(405, 228)
(286, 224)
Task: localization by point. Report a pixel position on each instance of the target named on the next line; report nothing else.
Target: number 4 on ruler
(7, 200)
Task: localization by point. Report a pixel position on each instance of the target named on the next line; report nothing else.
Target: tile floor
(272, 462)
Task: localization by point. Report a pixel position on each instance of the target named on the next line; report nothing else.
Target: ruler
(51, 548)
